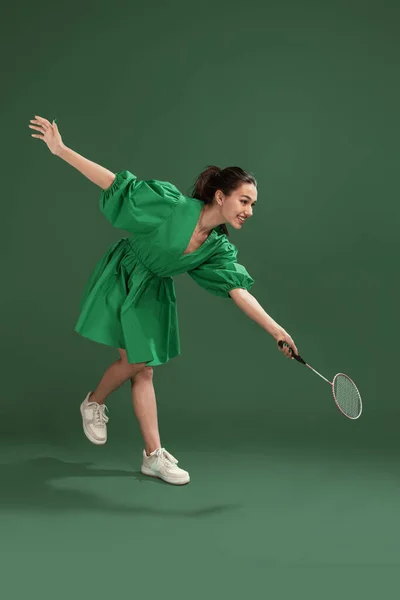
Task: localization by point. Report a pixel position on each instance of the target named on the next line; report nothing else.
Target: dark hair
(213, 178)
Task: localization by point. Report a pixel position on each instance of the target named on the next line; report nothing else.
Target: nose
(249, 212)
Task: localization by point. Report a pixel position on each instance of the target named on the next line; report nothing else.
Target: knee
(144, 374)
(131, 369)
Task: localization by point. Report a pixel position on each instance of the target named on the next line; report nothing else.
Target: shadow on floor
(29, 485)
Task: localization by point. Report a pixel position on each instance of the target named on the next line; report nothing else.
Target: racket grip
(295, 356)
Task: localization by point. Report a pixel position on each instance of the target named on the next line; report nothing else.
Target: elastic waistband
(129, 242)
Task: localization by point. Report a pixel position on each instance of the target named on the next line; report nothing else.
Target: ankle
(94, 398)
(150, 449)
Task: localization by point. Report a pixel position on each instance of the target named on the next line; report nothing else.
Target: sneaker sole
(88, 434)
(150, 473)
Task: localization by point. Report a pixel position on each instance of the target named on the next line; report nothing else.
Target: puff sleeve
(137, 206)
(221, 273)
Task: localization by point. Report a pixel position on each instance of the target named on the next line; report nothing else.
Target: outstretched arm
(251, 307)
(51, 136)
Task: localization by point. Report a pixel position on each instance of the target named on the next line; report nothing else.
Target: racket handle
(295, 356)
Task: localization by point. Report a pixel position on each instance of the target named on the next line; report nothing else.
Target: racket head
(346, 396)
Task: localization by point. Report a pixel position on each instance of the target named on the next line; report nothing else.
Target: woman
(129, 301)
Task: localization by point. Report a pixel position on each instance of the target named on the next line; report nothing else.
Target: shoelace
(166, 457)
(100, 418)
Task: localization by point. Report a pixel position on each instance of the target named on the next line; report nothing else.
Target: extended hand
(49, 133)
(288, 344)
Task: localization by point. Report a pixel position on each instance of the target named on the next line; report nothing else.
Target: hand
(50, 134)
(288, 344)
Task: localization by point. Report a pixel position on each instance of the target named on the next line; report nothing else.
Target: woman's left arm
(252, 308)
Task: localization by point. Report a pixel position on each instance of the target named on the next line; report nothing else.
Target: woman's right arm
(51, 136)
(96, 173)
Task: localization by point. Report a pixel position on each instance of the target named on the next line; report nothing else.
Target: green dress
(129, 301)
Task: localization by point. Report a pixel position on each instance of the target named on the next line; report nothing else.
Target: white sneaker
(163, 465)
(94, 421)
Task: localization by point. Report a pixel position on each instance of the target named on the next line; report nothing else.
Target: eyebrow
(248, 198)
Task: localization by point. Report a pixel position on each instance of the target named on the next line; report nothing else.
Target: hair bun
(213, 170)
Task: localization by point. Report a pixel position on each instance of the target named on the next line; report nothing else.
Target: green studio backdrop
(305, 95)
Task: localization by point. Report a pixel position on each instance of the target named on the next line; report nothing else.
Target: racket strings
(347, 396)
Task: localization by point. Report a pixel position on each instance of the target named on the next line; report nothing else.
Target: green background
(288, 498)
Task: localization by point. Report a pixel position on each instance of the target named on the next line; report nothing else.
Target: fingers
(291, 344)
(41, 129)
(286, 350)
(43, 121)
(289, 348)
(41, 125)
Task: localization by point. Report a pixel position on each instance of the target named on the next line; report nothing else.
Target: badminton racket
(344, 390)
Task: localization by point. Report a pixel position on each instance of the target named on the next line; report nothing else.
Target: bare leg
(143, 395)
(119, 372)
(145, 406)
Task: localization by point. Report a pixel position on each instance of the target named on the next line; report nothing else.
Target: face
(238, 206)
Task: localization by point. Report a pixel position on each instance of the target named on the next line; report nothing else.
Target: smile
(241, 219)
